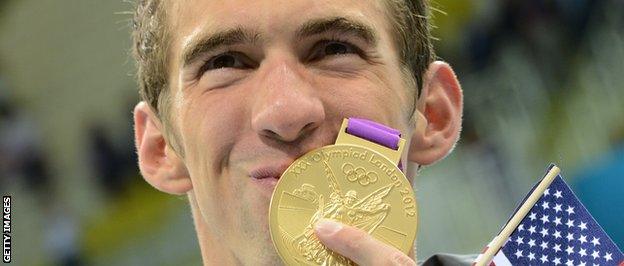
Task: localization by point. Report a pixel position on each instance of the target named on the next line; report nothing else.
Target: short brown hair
(150, 50)
(409, 20)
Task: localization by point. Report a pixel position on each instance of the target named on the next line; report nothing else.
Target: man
(234, 91)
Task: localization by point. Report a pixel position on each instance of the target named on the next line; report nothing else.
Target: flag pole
(499, 240)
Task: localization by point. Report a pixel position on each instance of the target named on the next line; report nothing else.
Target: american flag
(558, 230)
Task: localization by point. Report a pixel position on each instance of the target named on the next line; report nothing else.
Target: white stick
(517, 218)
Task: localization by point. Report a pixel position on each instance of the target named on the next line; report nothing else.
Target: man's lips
(267, 175)
(273, 170)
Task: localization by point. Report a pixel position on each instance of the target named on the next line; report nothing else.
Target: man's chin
(265, 186)
(255, 232)
(265, 253)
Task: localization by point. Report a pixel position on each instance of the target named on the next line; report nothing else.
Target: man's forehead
(246, 8)
(197, 17)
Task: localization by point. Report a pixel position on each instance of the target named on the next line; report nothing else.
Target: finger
(358, 245)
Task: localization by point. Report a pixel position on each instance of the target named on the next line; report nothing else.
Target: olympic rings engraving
(359, 174)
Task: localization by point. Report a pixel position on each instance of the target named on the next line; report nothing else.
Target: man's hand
(358, 246)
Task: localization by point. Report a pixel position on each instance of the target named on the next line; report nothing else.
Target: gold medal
(353, 182)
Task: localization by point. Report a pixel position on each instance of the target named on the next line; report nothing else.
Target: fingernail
(327, 227)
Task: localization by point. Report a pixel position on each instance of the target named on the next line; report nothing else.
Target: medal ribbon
(375, 132)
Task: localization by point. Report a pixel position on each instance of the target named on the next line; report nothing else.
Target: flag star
(544, 245)
(570, 236)
(544, 232)
(582, 263)
(570, 262)
(570, 210)
(521, 227)
(583, 226)
(557, 221)
(519, 240)
(583, 239)
(570, 223)
(583, 252)
(532, 216)
(595, 241)
(531, 256)
(557, 248)
(545, 205)
(557, 208)
(544, 219)
(547, 191)
(607, 256)
(557, 234)
(544, 258)
(531, 243)
(569, 250)
(595, 254)
(532, 229)
(557, 261)
(518, 253)
(558, 194)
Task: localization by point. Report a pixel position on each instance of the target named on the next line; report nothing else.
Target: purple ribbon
(374, 132)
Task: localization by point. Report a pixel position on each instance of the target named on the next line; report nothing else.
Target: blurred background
(543, 82)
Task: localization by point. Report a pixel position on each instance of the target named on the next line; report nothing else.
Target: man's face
(256, 84)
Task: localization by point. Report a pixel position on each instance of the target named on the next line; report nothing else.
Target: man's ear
(159, 164)
(438, 115)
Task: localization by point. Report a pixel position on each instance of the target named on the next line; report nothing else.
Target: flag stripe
(501, 260)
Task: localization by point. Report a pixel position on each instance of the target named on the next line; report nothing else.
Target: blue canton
(560, 231)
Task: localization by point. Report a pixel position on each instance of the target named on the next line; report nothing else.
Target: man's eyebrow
(338, 24)
(204, 44)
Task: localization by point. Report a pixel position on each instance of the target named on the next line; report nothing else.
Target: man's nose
(288, 107)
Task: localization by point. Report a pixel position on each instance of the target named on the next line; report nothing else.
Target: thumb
(358, 246)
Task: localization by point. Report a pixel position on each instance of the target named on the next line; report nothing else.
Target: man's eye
(333, 48)
(225, 60)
